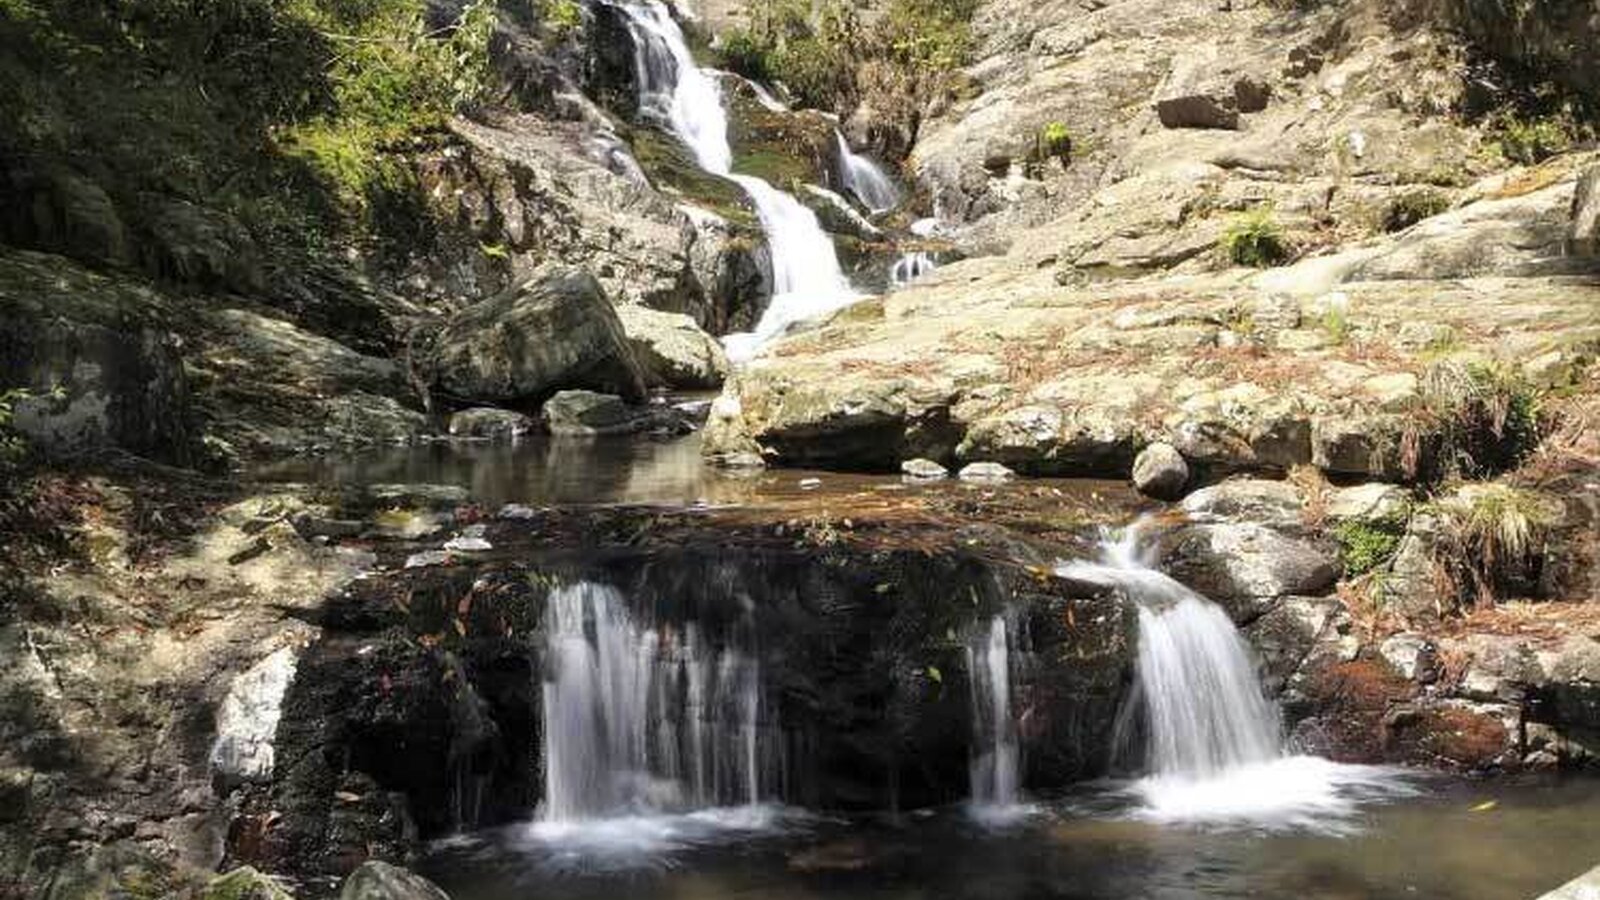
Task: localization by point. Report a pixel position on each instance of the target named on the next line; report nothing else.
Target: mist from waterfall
(807, 280)
(1212, 741)
(644, 719)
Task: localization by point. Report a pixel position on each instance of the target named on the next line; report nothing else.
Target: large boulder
(1248, 567)
(673, 351)
(101, 357)
(589, 413)
(557, 330)
(1159, 471)
(378, 880)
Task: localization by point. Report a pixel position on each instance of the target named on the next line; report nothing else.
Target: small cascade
(640, 719)
(861, 176)
(807, 280)
(993, 774)
(911, 266)
(1212, 740)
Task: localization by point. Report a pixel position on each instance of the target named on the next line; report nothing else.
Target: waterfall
(1212, 740)
(911, 266)
(862, 177)
(641, 719)
(993, 772)
(807, 280)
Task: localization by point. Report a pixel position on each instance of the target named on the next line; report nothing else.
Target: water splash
(1213, 744)
(911, 266)
(861, 176)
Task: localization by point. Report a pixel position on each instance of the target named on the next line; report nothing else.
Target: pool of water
(1444, 838)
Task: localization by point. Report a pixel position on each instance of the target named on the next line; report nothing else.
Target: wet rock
(985, 472)
(923, 470)
(420, 495)
(1583, 236)
(1159, 471)
(244, 883)
(1297, 633)
(487, 422)
(554, 331)
(248, 720)
(377, 880)
(836, 215)
(118, 870)
(589, 413)
(672, 350)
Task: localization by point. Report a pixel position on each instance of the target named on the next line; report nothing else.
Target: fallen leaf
(1485, 806)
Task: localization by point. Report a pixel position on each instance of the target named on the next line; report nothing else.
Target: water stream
(1212, 740)
(807, 280)
(994, 771)
(861, 176)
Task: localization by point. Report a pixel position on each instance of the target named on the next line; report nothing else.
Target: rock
(1276, 503)
(377, 880)
(248, 720)
(1584, 887)
(487, 422)
(466, 544)
(923, 470)
(110, 347)
(1583, 236)
(1371, 502)
(1160, 472)
(589, 413)
(1412, 655)
(1199, 96)
(53, 208)
(1247, 567)
(244, 883)
(420, 495)
(672, 350)
(120, 870)
(836, 215)
(1411, 589)
(555, 331)
(428, 558)
(981, 472)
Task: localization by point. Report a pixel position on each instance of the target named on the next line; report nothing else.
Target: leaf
(1485, 806)
(347, 797)
(935, 675)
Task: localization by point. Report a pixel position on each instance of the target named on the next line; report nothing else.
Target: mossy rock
(244, 883)
(124, 871)
(779, 146)
(673, 169)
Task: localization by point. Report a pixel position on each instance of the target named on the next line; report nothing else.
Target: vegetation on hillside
(828, 60)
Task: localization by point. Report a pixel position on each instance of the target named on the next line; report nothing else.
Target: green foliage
(1530, 141)
(1412, 207)
(1336, 324)
(1473, 419)
(1255, 239)
(562, 17)
(1365, 546)
(12, 444)
(1054, 140)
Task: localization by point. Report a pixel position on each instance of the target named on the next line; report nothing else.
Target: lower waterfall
(994, 770)
(641, 719)
(1213, 745)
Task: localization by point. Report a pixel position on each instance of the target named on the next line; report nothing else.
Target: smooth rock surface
(1159, 471)
(488, 422)
(673, 351)
(378, 880)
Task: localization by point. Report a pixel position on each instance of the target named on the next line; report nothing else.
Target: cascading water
(807, 279)
(639, 719)
(1213, 743)
(993, 774)
(862, 177)
(911, 266)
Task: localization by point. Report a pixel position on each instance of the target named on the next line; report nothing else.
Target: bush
(1054, 140)
(1489, 537)
(1367, 546)
(1255, 239)
(1412, 207)
(1533, 141)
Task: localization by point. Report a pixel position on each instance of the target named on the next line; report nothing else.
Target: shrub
(562, 17)
(1533, 141)
(1054, 140)
(1474, 419)
(1489, 535)
(1412, 207)
(1255, 239)
(1365, 546)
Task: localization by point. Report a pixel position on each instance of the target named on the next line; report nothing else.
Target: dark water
(1452, 840)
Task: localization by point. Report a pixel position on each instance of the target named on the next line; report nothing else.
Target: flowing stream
(807, 281)
(993, 776)
(861, 176)
(1213, 743)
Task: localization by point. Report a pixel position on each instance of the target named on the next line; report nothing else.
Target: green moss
(1255, 239)
(1368, 545)
(673, 169)
(1530, 141)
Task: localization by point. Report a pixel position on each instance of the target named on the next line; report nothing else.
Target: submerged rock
(487, 422)
(554, 331)
(1159, 471)
(589, 413)
(985, 472)
(923, 470)
(377, 880)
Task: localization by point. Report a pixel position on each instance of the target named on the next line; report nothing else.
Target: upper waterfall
(807, 279)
